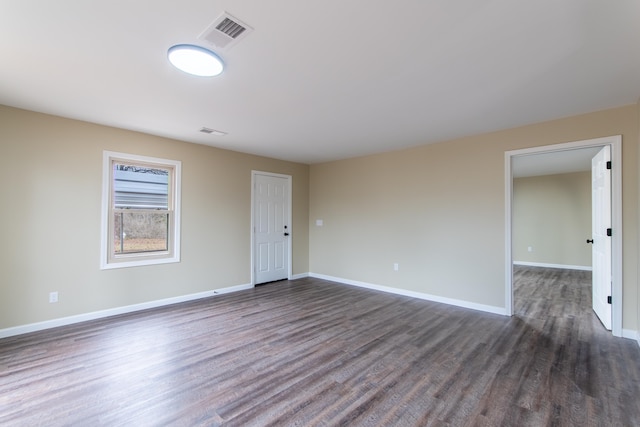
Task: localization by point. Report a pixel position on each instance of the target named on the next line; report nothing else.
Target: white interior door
(271, 228)
(601, 222)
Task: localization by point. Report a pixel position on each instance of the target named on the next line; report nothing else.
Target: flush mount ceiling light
(195, 60)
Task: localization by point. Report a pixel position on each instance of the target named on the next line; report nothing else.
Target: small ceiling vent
(230, 28)
(225, 31)
(212, 131)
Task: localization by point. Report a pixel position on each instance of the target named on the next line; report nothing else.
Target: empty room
(319, 213)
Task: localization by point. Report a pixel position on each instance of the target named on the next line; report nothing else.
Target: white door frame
(289, 199)
(615, 142)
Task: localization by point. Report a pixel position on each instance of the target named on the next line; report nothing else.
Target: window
(141, 210)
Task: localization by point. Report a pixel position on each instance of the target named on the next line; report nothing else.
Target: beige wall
(438, 211)
(50, 180)
(552, 215)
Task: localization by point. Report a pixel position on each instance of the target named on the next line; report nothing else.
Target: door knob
(589, 240)
(286, 234)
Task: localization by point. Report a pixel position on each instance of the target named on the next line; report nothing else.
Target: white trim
(289, 179)
(299, 276)
(562, 266)
(631, 334)
(413, 294)
(615, 142)
(508, 252)
(139, 260)
(63, 321)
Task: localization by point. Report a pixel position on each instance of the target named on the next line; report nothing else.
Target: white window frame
(109, 261)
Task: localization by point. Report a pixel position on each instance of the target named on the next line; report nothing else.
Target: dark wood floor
(311, 352)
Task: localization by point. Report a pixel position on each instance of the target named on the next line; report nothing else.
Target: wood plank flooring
(311, 352)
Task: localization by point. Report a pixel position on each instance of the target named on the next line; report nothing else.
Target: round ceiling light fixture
(195, 60)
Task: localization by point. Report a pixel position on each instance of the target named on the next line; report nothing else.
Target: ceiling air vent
(212, 131)
(230, 28)
(225, 31)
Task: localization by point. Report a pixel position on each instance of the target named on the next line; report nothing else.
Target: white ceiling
(322, 80)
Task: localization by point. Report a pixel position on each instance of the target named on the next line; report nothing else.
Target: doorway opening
(614, 142)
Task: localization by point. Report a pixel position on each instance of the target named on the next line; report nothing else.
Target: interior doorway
(556, 152)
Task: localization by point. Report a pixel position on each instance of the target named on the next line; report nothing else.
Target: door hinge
(609, 232)
(609, 165)
(609, 299)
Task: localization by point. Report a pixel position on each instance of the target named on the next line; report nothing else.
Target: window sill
(139, 262)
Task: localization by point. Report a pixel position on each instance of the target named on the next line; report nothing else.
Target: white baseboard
(631, 334)
(450, 301)
(563, 266)
(33, 327)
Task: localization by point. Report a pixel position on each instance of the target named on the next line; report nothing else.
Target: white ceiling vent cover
(225, 31)
(212, 131)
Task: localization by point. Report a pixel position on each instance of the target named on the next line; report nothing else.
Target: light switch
(319, 223)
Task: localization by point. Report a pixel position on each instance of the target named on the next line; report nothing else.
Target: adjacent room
(361, 213)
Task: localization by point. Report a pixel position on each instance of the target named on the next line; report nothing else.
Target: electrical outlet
(530, 248)
(395, 266)
(53, 296)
